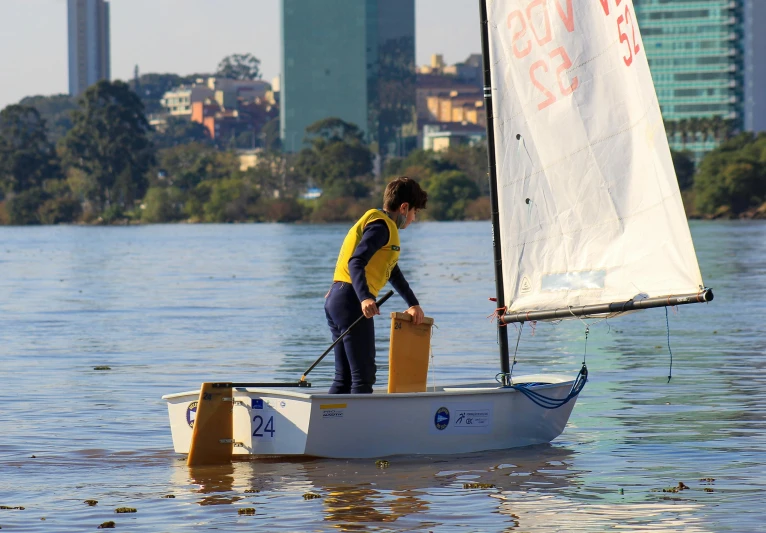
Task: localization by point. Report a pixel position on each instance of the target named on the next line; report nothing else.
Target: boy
(367, 260)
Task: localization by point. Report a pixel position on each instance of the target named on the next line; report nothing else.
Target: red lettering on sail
(635, 48)
(605, 5)
(546, 38)
(519, 34)
(550, 97)
(568, 18)
(565, 65)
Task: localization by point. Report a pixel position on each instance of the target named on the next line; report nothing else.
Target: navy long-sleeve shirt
(374, 237)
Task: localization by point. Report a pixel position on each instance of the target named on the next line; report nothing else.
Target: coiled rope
(542, 400)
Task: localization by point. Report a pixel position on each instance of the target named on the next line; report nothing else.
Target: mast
(502, 331)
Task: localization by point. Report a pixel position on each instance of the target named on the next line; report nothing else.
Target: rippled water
(166, 307)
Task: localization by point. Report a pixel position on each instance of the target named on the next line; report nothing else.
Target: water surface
(166, 307)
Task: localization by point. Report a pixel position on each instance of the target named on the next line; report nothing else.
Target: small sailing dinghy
(587, 221)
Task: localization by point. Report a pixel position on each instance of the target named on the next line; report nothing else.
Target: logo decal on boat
(441, 418)
(332, 410)
(257, 403)
(191, 414)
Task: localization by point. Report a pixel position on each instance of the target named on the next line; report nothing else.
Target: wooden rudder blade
(408, 353)
(212, 441)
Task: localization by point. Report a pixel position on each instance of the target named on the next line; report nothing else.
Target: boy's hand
(417, 314)
(369, 308)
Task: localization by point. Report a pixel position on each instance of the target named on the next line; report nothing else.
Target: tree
(239, 67)
(732, 178)
(448, 195)
(337, 153)
(109, 142)
(188, 165)
(684, 167)
(56, 110)
(179, 130)
(27, 158)
(270, 139)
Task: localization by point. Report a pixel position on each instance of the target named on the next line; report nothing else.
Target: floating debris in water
(169, 496)
(382, 463)
(17, 508)
(33, 457)
(42, 518)
(251, 491)
(102, 368)
(91, 502)
(681, 486)
(249, 511)
(708, 489)
(708, 479)
(478, 486)
(125, 510)
(311, 496)
(107, 525)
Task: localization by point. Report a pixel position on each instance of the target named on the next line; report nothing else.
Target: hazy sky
(187, 36)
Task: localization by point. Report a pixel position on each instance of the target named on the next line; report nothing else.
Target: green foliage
(449, 193)
(56, 110)
(109, 142)
(239, 67)
(27, 159)
(279, 210)
(683, 163)
(472, 160)
(270, 139)
(732, 178)
(188, 165)
(180, 131)
(162, 204)
(231, 200)
(22, 208)
(337, 153)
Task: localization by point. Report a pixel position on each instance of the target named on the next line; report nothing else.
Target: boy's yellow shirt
(378, 270)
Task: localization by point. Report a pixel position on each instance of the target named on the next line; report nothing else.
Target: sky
(188, 36)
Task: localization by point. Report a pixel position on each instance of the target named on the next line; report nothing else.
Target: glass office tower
(696, 54)
(351, 59)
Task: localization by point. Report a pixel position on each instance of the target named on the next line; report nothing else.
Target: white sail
(590, 210)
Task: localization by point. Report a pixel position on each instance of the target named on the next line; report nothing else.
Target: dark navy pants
(355, 354)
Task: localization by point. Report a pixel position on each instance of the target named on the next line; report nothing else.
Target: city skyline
(188, 36)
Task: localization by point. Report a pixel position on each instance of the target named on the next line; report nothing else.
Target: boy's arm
(374, 237)
(402, 287)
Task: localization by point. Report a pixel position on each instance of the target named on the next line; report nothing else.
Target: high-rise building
(88, 43)
(696, 52)
(351, 59)
(755, 65)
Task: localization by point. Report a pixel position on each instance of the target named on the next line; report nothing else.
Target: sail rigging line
(667, 325)
(502, 332)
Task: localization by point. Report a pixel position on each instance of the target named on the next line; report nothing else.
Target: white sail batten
(590, 210)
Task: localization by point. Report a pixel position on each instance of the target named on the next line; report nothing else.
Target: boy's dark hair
(401, 190)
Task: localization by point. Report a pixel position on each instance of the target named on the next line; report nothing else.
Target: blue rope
(554, 403)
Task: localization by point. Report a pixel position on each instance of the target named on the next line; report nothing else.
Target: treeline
(730, 181)
(109, 166)
(104, 163)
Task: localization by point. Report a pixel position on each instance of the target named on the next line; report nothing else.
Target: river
(166, 307)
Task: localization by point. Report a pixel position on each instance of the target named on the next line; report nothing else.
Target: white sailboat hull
(454, 419)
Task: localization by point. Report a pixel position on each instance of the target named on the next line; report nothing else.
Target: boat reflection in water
(529, 489)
